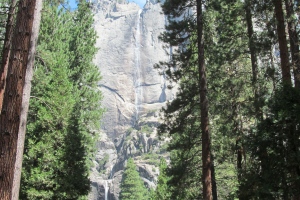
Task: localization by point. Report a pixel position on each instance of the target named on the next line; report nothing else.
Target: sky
(141, 3)
(73, 3)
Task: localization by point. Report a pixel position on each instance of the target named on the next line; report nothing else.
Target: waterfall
(111, 173)
(106, 188)
(137, 74)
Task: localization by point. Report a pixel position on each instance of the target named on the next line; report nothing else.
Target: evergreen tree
(87, 111)
(283, 49)
(162, 191)
(132, 186)
(232, 109)
(50, 109)
(276, 139)
(267, 142)
(294, 39)
(230, 86)
(65, 107)
(182, 124)
(186, 28)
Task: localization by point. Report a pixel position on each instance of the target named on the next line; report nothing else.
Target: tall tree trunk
(284, 54)
(257, 107)
(295, 54)
(12, 102)
(6, 48)
(294, 42)
(253, 56)
(25, 99)
(213, 179)
(206, 159)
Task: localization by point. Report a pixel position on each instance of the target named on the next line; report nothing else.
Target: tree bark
(12, 102)
(25, 99)
(257, 107)
(295, 54)
(253, 56)
(284, 54)
(6, 49)
(206, 157)
(213, 179)
(294, 42)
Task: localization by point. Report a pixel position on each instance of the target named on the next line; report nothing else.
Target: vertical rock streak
(138, 89)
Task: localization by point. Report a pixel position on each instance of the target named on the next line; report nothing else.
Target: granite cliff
(133, 92)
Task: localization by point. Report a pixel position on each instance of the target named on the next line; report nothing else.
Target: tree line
(234, 122)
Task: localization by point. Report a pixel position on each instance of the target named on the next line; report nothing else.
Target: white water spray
(137, 76)
(106, 188)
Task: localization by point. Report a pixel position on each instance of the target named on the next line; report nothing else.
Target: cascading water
(111, 172)
(106, 188)
(137, 76)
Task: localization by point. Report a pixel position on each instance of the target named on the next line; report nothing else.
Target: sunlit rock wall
(116, 26)
(128, 48)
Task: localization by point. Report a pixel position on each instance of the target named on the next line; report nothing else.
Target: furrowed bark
(284, 54)
(25, 100)
(12, 101)
(6, 49)
(206, 158)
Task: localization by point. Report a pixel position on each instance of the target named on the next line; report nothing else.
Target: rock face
(128, 48)
(132, 91)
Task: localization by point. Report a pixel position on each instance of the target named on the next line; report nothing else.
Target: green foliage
(129, 131)
(62, 125)
(230, 91)
(182, 115)
(162, 191)
(49, 110)
(146, 129)
(102, 162)
(151, 158)
(163, 148)
(274, 173)
(132, 186)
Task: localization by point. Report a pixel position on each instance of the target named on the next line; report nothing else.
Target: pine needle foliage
(65, 109)
(162, 190)
(132, 186)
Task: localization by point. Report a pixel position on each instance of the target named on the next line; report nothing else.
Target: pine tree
(184, 29)
(50, 109)
(87, 111)
(65, 107)
(284, 54)
(294, 40)
(265, 142)
(162, 191)
(132, 186)
(185, 166)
